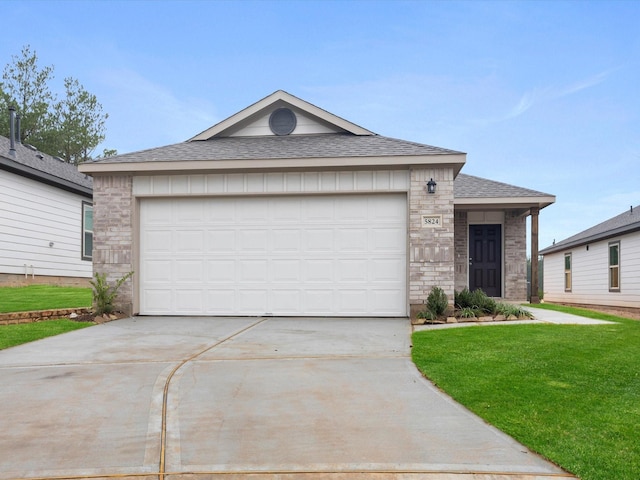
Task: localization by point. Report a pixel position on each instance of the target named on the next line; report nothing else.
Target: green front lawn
(569, 392)
(43, 297)
(12, 335)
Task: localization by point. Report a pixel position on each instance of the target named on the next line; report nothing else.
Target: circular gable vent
(282, 121)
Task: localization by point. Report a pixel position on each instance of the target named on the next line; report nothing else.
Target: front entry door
(485, 259)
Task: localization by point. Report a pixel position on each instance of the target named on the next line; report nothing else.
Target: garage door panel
(319, 255)
(285, 241)
(353, 270)
(189, 271)
(221, 271)
(157, 271)
(253, 241)
(189, 300)
(252, 271)
(221, 241)
(285, 270)
(188, 241)
(352, 240)
(158, 241)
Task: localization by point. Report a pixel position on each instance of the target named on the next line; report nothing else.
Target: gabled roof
(245, 142)
(475, 192)
(626, 222)
(28, 162)
(278, 99)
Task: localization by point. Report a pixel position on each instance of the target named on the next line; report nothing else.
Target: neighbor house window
(614, 266)
(567, 272)
(87, 231)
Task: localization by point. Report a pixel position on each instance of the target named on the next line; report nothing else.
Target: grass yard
(569, 392)
(12, 335)
(43, 297)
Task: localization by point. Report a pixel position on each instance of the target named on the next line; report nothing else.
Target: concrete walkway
(230, 398)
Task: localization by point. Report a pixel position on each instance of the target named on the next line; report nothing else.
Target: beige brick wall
(431, 249)
(113, 233)
(515, 256)
(462, 251)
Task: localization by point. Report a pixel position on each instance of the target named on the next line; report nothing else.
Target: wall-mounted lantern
(431, 186)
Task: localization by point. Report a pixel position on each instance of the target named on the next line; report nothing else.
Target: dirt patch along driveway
(221, 397)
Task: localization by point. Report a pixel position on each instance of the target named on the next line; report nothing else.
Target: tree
(70, 128)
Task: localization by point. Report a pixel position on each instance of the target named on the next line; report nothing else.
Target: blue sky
(540, 94)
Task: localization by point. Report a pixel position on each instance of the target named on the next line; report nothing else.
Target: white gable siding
(590, 274)
(305, 125)
(32, 215)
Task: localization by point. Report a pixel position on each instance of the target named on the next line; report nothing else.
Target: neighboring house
(599, 266)
(46, 209)
(286, 209)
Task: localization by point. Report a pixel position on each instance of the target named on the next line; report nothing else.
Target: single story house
(46, 211)
(599, 266)
(286, 209)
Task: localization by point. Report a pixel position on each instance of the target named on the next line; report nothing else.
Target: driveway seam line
(165, 393)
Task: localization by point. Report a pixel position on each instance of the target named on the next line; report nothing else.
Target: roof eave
(43, 177)
(455, 161)
(479, 203)
(634, 227)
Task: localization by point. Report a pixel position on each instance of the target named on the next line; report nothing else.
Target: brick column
(113, 233)
(515, 256)
(431, 249)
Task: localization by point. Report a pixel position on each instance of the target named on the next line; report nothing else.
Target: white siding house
(599, 266)
(46, 218)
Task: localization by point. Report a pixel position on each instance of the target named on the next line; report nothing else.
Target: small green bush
(427, 315)
(104, 294)
(508, 310)
(437, 301)
(463, 299)
(467, 312)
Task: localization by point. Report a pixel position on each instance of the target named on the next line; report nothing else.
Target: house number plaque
(431, 220)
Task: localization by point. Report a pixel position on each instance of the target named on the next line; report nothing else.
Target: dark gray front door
(485, 259)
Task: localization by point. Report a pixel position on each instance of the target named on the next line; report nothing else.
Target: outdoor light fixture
(431, 186)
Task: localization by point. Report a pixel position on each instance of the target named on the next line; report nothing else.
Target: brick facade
(113, 233)
(431, 249)
(515, 256)
(461, 240)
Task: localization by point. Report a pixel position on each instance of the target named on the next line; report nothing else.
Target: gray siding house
(598, 266)
(286, 209)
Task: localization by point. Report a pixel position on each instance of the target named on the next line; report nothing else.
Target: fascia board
(46, 178)
(507, 202)
(454, 161)
(282, 96)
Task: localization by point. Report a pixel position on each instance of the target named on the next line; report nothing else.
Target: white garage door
(337, 255)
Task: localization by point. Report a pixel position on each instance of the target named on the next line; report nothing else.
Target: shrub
(508, 309)
(463, 299)
(105, 294)
(437, 301)
(427, 315)
(467, 312)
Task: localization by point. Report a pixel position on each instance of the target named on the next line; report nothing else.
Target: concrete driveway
(208, 398)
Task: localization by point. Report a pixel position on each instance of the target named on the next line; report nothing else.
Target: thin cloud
(537, 96)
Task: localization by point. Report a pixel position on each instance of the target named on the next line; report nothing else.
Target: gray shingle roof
(281, 147)
(626, 222)
(29, 162)
(469, 186)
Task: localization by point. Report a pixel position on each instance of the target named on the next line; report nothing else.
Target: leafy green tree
(70, 128)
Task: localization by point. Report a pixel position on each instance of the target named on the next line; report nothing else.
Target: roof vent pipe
(18, 141)
(12, 131)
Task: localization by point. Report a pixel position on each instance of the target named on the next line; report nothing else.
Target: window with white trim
(614, 266)
(87, 231)
(567, 272)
